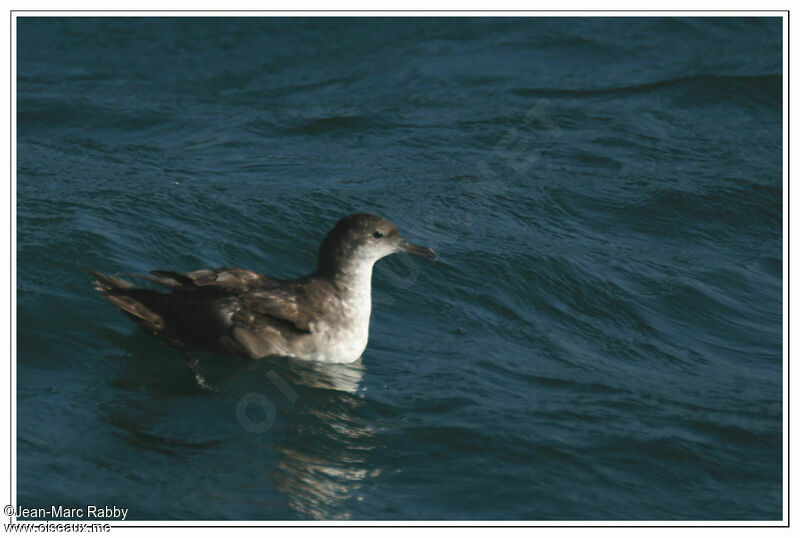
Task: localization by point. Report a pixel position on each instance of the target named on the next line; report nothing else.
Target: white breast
(343, 337)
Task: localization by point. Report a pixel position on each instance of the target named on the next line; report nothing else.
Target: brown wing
(276, 305)
(232, 279)
(262, 300)
(260, 297)
(299, 303)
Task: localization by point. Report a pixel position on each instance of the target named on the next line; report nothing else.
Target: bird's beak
(405, 246)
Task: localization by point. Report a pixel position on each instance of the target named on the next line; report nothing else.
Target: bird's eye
(377, 234)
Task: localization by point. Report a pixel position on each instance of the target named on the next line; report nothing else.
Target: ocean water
(600, 338)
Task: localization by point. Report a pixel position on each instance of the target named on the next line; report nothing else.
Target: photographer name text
(86, 512)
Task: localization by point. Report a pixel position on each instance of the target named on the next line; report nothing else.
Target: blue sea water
(600, 338)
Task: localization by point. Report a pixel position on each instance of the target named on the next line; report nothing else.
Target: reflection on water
(341, 377)
(299, 423)
(322, 461)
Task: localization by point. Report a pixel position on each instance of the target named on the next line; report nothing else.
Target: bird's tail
(130, 299)
(109, 283)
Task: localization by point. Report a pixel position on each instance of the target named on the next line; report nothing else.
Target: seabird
(321, 317)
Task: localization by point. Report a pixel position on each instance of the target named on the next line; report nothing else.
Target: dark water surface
(600, 339)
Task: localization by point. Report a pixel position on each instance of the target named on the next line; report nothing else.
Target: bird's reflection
(340, 377)
(322, 461)
(315, 454)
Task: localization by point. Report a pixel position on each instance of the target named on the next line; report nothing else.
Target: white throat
(345, 338)
(356, 287)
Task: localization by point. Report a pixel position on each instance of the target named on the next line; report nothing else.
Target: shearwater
(323, 316)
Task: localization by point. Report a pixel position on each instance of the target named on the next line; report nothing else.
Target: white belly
(343, 337)
(341, 347)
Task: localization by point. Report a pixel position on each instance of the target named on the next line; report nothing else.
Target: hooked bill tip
(417, 250)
